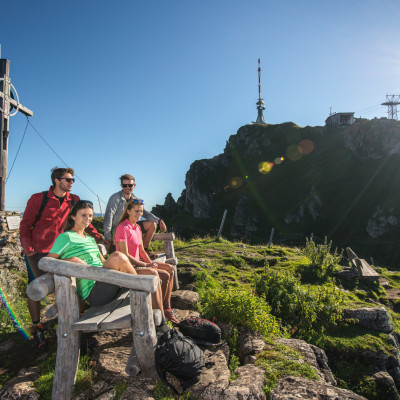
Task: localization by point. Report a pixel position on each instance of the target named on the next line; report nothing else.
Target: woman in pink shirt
(128, 239)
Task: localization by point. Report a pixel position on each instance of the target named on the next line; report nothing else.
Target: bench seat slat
(92, 318)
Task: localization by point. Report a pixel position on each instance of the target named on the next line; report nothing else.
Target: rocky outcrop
(290, 388)
(11, 260)
(215, 384)
(310, 207)
(385, 384)
(245, 219)
(381, 222)
(21, 386)
(374, 318)
(184, 299)
(373, 140)
(313, 356)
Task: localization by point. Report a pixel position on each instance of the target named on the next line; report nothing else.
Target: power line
(44, 140)
(19, 147)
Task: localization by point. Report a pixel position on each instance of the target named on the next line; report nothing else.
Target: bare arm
(123, 248)
(72, 259)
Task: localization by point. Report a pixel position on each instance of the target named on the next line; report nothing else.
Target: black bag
(202, 331)
(179, 356)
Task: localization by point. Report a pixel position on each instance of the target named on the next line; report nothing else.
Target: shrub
(307, 311)
(239, 307)
(322, 262)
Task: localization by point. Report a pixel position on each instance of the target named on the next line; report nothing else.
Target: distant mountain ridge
(340, 182)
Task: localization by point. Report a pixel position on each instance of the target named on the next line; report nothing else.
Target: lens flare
(236, 182)
(306, 146)
(293, 153)
(264, 167)
(12, 315)
(278, 160)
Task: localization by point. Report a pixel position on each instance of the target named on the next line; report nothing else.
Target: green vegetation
(234, 343)
(266, 290)
(321, 262)
(306, 311)
(280, 360)
(44, 384)
(239, 307)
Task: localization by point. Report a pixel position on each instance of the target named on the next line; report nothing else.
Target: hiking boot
(169, 314)
(37, 332)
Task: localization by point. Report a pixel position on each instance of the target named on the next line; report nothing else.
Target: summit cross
(7, 104)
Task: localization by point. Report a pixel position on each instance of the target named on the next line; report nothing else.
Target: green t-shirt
(70, 244)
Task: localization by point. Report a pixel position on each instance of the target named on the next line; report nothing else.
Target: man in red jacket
(43, 220)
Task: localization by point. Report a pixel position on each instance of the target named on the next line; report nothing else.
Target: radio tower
(392, 100)
(260, 103)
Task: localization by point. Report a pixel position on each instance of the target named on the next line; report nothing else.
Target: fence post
(222, 224)
(270, 237)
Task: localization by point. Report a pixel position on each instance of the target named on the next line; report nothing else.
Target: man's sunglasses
(137, 201)
(68, 179)
(129, 185)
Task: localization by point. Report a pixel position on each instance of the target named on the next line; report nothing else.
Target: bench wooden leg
(68, 340)
(144, 332)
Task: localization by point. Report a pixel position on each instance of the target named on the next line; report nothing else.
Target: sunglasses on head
(137, 201)
(68, 179)
(129, 185)
(80, 202)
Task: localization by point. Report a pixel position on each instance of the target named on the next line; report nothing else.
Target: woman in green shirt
(74, 245)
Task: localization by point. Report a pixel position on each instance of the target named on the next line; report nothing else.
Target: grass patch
(281, 360)
(44, 384)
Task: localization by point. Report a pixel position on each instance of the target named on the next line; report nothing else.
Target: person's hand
(152, 265)
(163, 227)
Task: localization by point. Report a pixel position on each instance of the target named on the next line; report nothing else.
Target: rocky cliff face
(339, 182)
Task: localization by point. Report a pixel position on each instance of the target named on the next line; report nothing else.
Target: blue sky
(148, 87)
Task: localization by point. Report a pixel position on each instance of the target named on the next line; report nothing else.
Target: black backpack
(179, 356)
(202, 331)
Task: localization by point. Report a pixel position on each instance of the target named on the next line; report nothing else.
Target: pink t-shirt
(130, 234)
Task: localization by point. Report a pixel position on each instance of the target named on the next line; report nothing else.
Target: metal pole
(101, 211)
(222, 224)
(270, 237)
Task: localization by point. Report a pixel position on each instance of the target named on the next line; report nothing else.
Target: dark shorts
(140, 223)
(32, 265)
(102, 293)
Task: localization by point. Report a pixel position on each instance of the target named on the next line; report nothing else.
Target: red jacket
(40, 237)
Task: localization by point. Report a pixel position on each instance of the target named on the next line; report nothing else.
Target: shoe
(152, 256)
(169, 314)
(37, 332)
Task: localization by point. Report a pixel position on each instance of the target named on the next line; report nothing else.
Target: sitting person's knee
(118, 257)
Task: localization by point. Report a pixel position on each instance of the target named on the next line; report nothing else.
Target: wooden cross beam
(6, 101)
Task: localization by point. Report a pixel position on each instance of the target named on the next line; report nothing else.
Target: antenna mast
(392, 100)
(260, 103)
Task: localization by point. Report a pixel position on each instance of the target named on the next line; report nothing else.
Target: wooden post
(222, 224)
(5, 102)
(270, 237)
(4, 130)
(144, 332)
(68, 340)
(170, 253)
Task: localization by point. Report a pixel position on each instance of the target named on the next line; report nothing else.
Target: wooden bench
(365, 271)
(131, 309)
